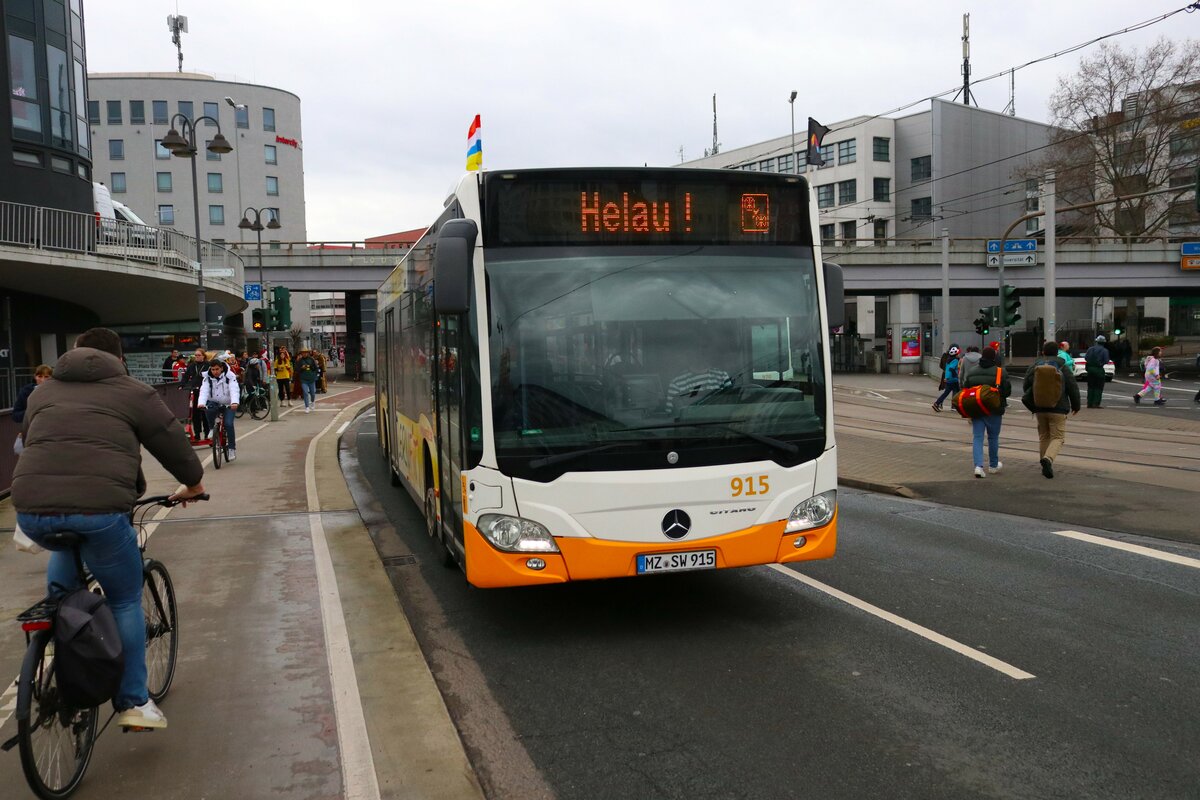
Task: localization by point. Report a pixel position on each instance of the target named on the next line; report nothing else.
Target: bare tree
(1126, 122)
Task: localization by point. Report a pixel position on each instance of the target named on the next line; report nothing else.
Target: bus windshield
(608, 358)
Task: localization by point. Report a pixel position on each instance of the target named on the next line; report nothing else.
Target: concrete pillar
(49, 343)
(866, 317)
(354, 330)
(904, 321)
(1159, 307)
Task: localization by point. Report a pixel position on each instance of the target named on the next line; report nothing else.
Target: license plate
(676, 562)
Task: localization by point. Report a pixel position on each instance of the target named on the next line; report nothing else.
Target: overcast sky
(388, 88)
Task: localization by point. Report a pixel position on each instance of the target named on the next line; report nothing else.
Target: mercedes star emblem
(676, 524)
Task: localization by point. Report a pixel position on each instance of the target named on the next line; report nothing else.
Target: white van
(117, 223)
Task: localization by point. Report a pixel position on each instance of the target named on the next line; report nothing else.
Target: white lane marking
(920, 630)
(8, 702)
(1149, 552)
(358, 765)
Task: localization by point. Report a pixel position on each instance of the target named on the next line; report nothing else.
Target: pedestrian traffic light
(1012, 304)
(1116, 331)
(259, 319)
(983, 322)
(281, 301)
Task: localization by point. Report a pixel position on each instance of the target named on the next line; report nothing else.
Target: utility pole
(945, 289)
(716, 145)
(1050, 225)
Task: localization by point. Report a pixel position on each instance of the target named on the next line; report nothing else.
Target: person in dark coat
(1095, 358)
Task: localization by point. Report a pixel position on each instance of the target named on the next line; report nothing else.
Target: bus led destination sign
(672, 206)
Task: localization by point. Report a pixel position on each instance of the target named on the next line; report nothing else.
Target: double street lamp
(182, 143)
(792, 103)
(257, 226)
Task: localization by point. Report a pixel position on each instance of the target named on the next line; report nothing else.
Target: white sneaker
(999, 466)
(308, 409)
(147, 715)
(979, 473)
(232, 454)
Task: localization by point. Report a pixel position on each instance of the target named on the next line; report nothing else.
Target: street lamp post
(182, 143)
(257, 227)
(792, 103)
(236, 106)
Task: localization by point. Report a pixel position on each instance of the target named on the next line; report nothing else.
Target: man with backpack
(988, 373)
(1050, 392)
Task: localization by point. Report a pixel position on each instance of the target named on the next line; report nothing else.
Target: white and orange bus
(593, 373)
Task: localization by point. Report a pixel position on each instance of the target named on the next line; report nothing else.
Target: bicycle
(256, 402)
(55, 740)
(220, 441)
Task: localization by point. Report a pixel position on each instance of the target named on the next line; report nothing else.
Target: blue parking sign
(253, 291)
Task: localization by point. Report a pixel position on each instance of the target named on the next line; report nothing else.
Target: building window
(1033, 225)
(241, 116)
(93, 112)
(116, 149)
(159, 107)
(60, 164)
(270, 155)
(847, 192)
(211, 110)
(216, 215)
(161, 152)
(802, 159)
(922, 208)
(766, 166)
(849, 232)
(273, 214)
(880, 230)
(185, 108)
(118, 183)
(137, 112)
(268, 119)
(825, 196)
(215, 184)
(163, 181)
(922, 168)
(166, 215)
(209, 155)
(114, 111)
(827, 234)
(827, 156)
(23, 86)
(847, 151)
(881, 149)
(272, 185)
(883, 190)
(1181, 144)
(785, 163)
(27, 159)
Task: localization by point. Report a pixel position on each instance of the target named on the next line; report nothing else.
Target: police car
(1110, 369)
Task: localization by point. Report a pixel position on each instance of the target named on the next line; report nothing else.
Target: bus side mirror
(835, 295)
(452, 267)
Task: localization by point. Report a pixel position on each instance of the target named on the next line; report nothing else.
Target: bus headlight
(813, 512)
(516, 535)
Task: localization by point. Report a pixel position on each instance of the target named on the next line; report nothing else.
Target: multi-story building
(130, 113)
(952, 166)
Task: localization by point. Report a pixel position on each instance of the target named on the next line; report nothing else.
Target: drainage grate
(399, 561)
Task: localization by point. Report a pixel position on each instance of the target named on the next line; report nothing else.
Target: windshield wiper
(570, 455)
(726, 425)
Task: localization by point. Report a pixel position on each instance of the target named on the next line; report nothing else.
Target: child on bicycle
(219, 394)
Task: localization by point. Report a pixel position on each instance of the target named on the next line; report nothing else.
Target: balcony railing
(53, 229)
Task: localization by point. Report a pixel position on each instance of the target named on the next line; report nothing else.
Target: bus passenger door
(451, 442)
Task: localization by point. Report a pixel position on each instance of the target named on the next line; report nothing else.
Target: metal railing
(42, 228)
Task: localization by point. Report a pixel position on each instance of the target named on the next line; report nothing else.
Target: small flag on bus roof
(475, 145)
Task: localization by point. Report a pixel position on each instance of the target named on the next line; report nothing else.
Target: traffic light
(1012, 305)
(281, 302)
(259, 319)
(1116, 331)
(983, 322)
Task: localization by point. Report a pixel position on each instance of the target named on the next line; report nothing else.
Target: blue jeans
(110, 550)
(213, 410)
(951, 388)
(992, 426)
(309, 390)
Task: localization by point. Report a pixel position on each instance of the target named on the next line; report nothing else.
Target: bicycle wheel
(260, 406)
(241, 409)
(55, 741)
(162, 631)
(218, 435)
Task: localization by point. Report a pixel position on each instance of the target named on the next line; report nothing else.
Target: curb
(881, 488)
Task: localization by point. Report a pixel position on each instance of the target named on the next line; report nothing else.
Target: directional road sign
(1189, 249)
(253, 291)
(1012, 259)
(1013, 246)
(219, 272)
(1189, 262)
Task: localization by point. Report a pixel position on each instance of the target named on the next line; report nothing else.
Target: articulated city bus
(592, 373)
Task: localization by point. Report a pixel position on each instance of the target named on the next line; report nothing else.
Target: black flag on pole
(816, 132)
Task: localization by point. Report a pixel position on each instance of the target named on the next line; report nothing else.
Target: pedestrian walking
(949, 377)
(168, 366)
(1064, 352)
(1095, 358)
(283, 374)
(968, 360)
(1153, 379)
(307, 370)
(988, 372)
(1050, 392)
(192, 377)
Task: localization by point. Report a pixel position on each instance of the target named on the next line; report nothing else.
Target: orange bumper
(585, 559)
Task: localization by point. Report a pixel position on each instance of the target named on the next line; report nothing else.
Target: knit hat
(1101, 339)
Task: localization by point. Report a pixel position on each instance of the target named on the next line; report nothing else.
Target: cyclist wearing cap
(950, 375)
(81, 471)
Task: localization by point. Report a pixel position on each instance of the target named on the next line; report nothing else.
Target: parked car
(1110, 369)
(117, 223)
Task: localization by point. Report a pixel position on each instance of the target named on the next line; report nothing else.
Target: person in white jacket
(219, 394)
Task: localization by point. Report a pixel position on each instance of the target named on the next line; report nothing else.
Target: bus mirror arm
(835, 294)
(452, 267)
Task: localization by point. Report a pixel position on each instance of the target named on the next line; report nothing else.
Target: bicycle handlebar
(165, 500)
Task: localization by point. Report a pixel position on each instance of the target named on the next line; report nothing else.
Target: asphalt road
(1047, 666)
